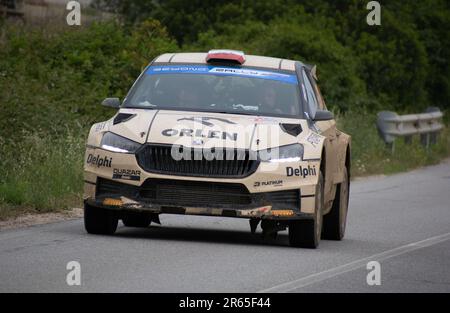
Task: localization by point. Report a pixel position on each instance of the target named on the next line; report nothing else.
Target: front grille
(194, 193)
(198, 194)
(234, 164)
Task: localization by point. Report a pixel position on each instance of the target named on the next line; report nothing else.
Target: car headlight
(289, 153)
(116, 143)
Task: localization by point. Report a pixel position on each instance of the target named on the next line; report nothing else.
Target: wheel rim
(343, 202)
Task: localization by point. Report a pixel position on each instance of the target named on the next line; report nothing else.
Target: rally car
(221, 134)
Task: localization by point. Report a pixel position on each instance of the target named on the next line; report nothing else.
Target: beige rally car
(221, 134)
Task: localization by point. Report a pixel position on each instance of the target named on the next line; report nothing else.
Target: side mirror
(323, 115)
(111, 102)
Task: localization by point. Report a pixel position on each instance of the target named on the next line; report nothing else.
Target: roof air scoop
(226, 56)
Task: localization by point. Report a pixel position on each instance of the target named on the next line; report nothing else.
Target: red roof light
(233, 56)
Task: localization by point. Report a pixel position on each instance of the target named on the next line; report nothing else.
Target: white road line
(318, 277)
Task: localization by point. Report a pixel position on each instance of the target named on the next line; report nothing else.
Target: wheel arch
(348, 159)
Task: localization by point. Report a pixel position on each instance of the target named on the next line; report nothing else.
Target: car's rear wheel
(335, 221)
(306, 233)
(99, 220)
(136, 219)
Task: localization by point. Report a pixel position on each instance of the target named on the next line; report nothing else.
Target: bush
(53, 81)
(42, 172)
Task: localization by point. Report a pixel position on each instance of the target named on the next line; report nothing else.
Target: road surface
(401, 221)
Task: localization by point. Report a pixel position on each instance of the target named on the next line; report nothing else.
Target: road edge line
(330, 273)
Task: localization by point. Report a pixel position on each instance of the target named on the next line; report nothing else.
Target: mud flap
(155, 219)
(254, 224)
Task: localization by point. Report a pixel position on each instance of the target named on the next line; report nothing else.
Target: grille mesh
(158, 159)
(195, 193)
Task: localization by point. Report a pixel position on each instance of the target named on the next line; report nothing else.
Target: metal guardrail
(13, 8)
(428, 125)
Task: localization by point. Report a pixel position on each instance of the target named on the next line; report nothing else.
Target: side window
(312, 100)
(322, 105)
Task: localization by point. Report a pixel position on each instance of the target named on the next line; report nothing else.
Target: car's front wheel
(99, 220)
(306, 233)
(335, 221)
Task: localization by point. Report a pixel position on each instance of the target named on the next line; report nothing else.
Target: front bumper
(272, 187)
(198, 198)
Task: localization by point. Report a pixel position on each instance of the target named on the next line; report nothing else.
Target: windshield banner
(222, 71)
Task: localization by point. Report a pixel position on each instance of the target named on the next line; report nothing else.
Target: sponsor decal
(99, 161)
(301, 171)
(205, 120)
(197, 142)
(120, 173)
(265, 120)
(223, 71)
(100, 126)
(274, 183)
(170, 132)
(313, 139)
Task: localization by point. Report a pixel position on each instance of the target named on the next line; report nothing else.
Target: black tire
(335, 221)
(306, 233)
(99, 221)
(136, 219)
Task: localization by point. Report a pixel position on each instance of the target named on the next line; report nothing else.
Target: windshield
(217, 89)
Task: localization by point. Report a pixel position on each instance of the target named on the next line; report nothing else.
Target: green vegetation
(52, 82)
(41, 172)
(371, 156)
(51, 87)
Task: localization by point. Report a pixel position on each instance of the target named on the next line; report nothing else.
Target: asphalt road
(402, 221)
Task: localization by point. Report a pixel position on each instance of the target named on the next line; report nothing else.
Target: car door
(324, 128)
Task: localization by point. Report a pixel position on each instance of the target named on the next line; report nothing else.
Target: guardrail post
(391, 146)
(425, 140)
(408, 140)
(433, 136)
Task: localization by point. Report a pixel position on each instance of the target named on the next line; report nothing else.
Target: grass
(43, 172)
(371, 156)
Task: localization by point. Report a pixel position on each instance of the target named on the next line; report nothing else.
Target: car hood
(205, 129)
